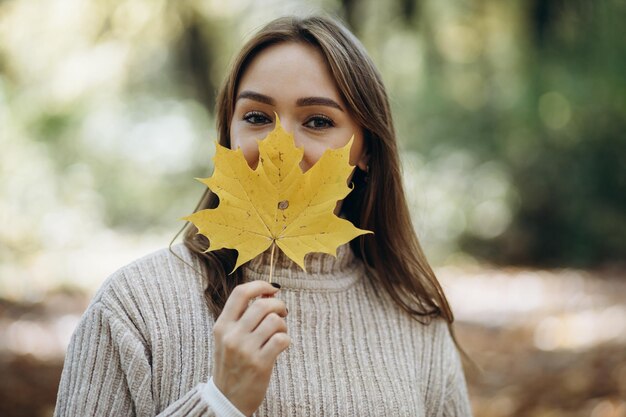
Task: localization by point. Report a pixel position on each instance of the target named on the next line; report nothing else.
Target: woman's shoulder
(166, 276)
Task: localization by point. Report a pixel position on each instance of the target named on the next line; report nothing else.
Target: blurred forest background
(511, 115)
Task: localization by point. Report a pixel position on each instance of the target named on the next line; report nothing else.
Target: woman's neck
(323, 271)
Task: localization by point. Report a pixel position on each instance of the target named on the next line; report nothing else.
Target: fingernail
(275, 285)
(287, 310)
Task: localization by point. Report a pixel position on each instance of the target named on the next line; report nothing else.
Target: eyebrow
(301, 102)
(318, 101)
(251, 95)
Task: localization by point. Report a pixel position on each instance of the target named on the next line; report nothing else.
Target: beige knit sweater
(144, 347)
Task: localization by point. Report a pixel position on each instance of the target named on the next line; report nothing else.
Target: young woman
(367, 333)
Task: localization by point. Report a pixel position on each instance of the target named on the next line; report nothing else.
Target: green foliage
(542, 95)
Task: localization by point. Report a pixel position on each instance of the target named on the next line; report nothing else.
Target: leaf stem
(272, 260)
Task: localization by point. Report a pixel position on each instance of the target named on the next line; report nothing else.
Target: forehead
(289, 67)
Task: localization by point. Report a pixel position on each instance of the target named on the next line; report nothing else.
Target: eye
(256, 118)
(319, 122)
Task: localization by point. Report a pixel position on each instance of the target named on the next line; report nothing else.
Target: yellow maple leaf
(277, 202)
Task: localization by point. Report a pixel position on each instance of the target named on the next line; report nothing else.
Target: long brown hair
(392, 255)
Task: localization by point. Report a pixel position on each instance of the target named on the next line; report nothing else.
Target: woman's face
(293, 80)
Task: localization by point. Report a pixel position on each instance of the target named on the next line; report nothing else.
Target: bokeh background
(511, 116)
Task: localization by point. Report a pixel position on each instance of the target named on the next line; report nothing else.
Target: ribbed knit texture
(144, 346)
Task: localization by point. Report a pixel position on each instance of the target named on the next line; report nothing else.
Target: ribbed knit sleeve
(456, 403)
(107, 372)
(456, 400)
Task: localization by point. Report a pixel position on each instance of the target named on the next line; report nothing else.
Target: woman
(364, 334)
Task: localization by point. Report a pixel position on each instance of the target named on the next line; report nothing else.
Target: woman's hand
(248, 339)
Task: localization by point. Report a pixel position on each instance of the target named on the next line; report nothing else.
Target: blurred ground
(551, 343)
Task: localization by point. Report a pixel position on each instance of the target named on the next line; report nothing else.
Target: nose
(288, 124)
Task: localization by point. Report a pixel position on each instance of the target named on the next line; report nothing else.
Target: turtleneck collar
(323, 271)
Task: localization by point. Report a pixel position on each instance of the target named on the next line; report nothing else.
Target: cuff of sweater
(221, 406)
